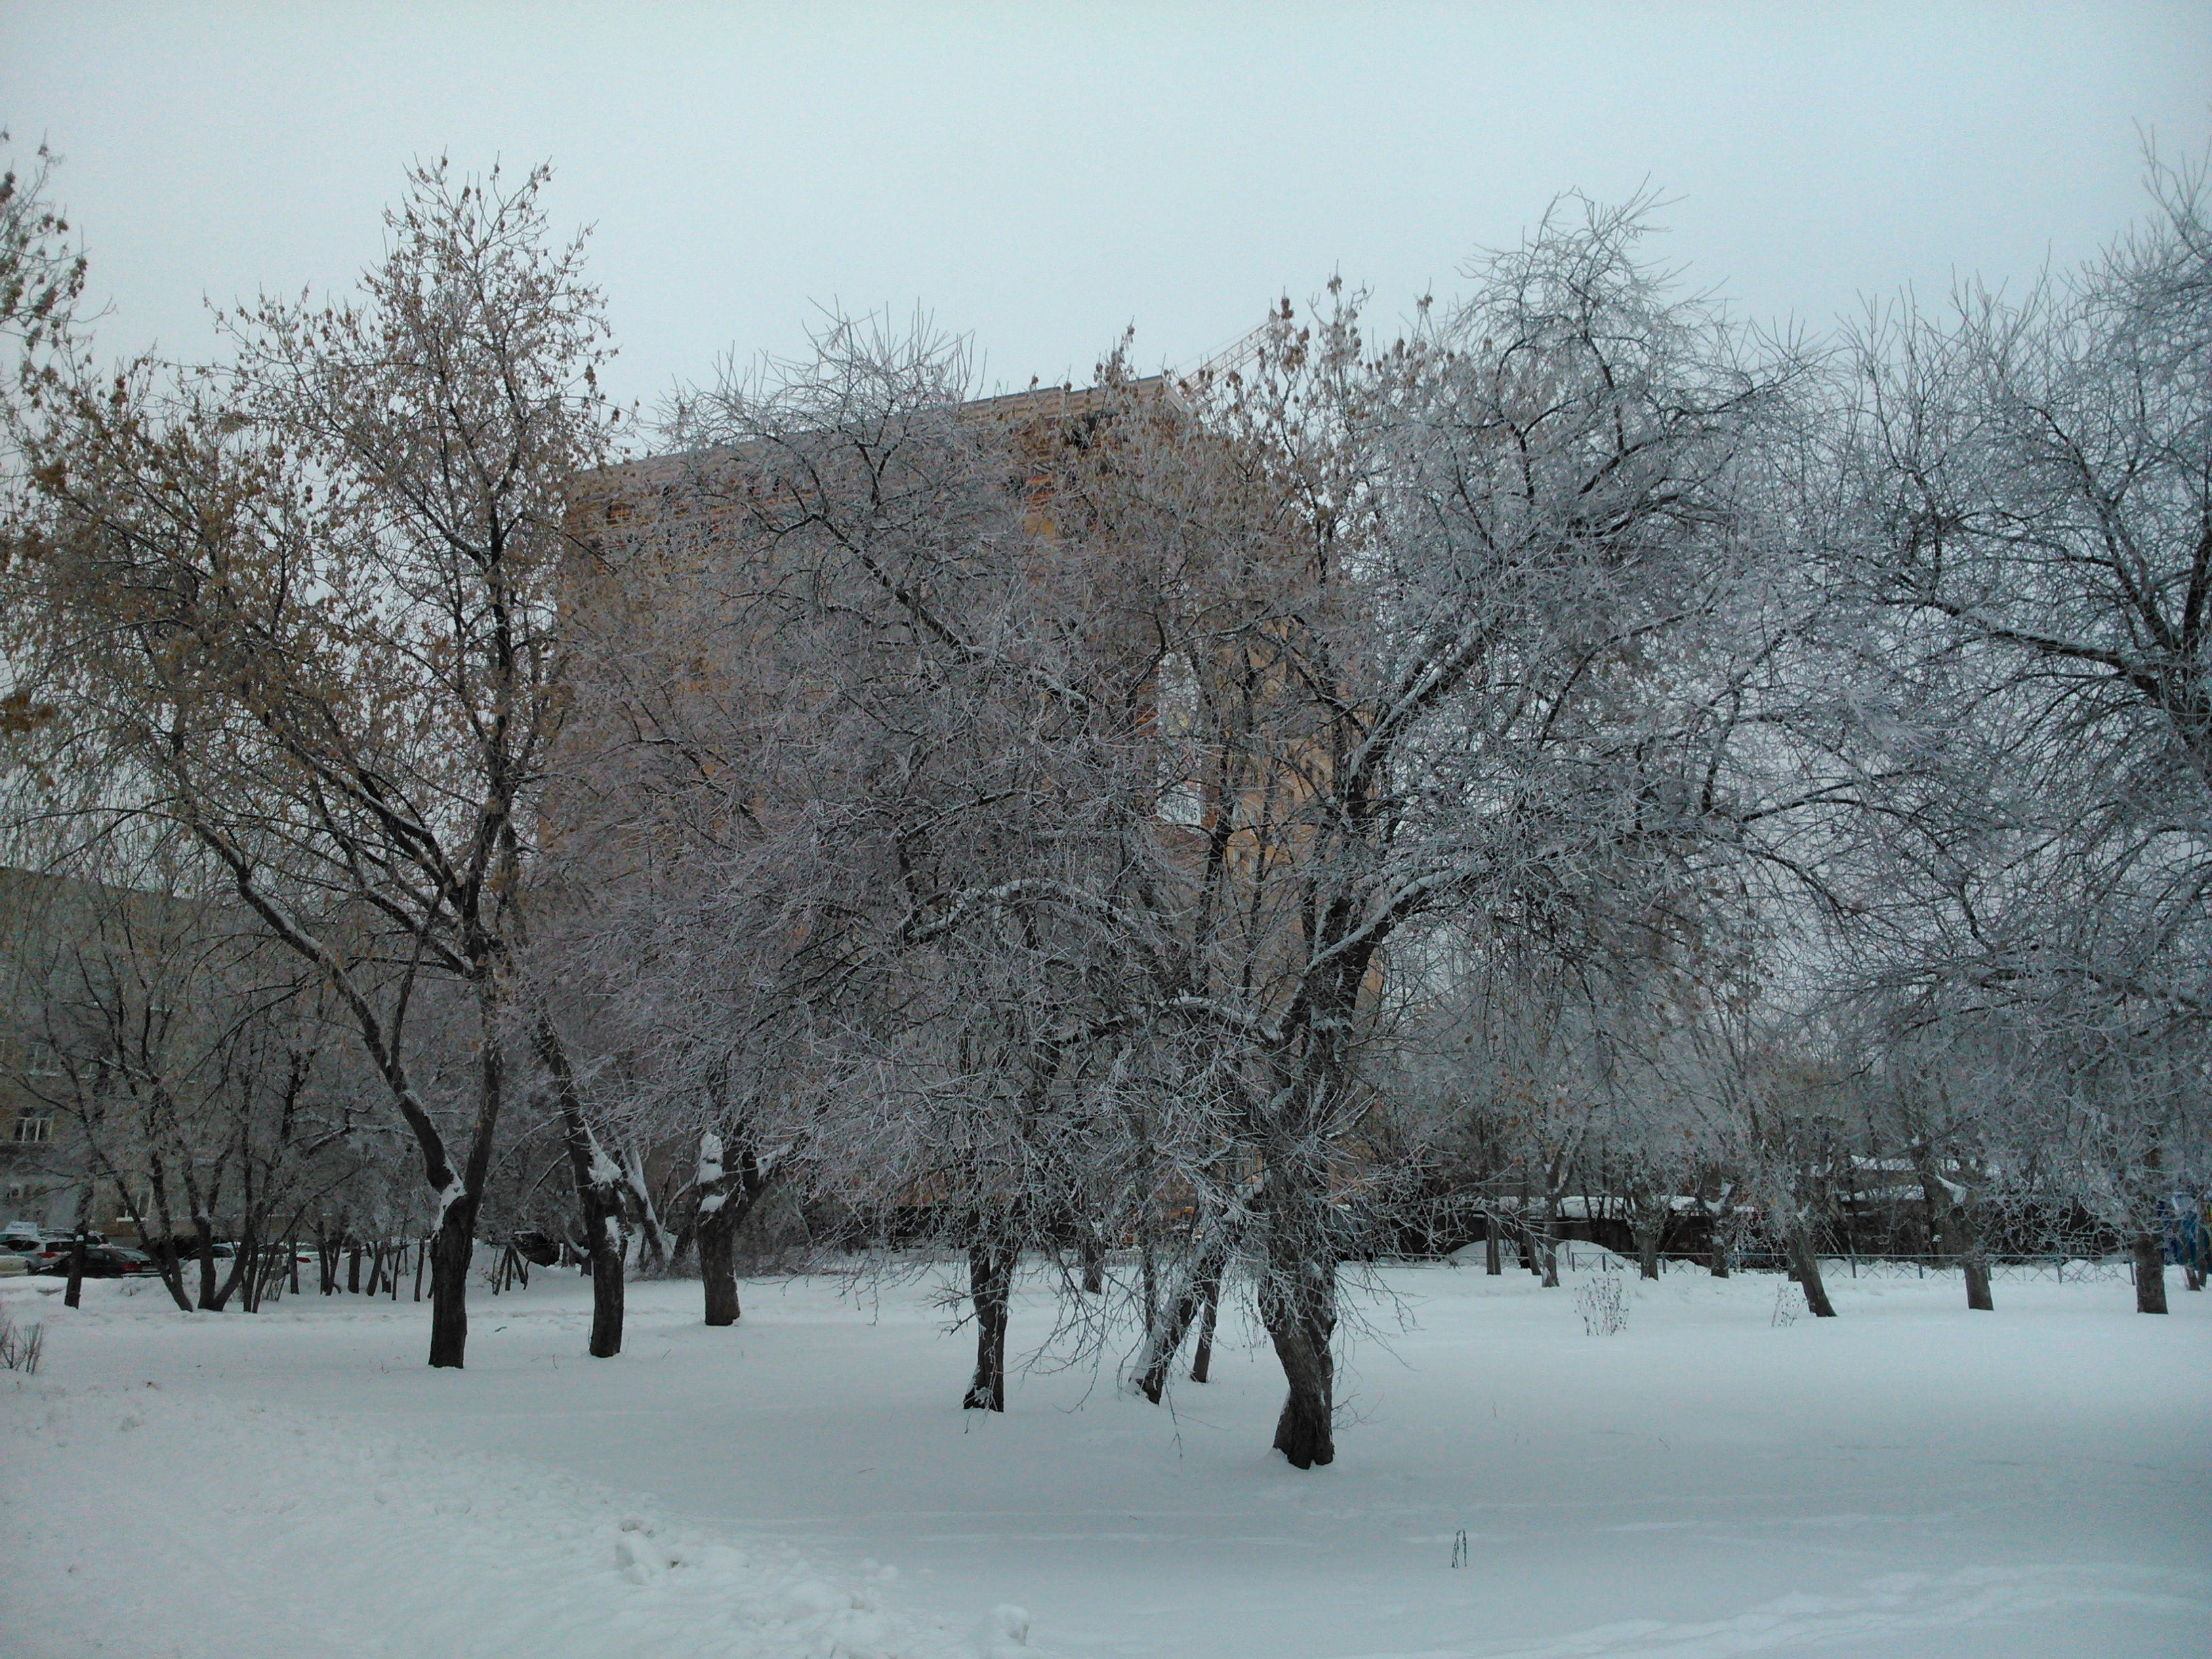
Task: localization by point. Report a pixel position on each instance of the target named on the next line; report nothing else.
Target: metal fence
(2058, 1268)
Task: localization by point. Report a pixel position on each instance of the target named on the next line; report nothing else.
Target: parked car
(100, 1261)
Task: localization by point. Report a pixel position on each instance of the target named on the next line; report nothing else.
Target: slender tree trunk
(74, 1296)
(238, 1263)
(990, 1284)
(353, 1268)
(1202, 1360)
(203, 1226)
(173, 1272)
(1492, 1264)
(1094, 1259)
(1170, 1321)
(598, 1191)
(2149, 1252)
(1550, 1245)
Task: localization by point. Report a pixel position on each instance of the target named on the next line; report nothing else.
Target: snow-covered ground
(1907, 1480)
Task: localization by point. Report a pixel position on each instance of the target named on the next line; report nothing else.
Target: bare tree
(310, 605)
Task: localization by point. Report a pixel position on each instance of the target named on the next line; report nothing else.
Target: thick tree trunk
(2149, 1252)
(718, 1244)
(1201, 1359)
(450, 1259)
(1805, 1268)
(1951, 1218)
(1301, 1320)
(990, 1284)
(353, 1271)
(1979, 1298)
(1094, 1260)
(1492, 1263)
(607, 1289)
(1647, 1252)
(1297, 1306)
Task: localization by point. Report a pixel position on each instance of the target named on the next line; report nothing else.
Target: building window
(30, 1127)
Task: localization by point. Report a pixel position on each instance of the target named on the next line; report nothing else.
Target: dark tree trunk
(1301, 1320)
(1951, 1218)
(1647, 1251)
(240, 1261)
(205, 1227)
(1169, 1327)
(1491, 1263)
(599, 1194)
(1718, 1261)
(1094, 1261)
(2149, 1251)
(607, 1287)
(1805, 1268)
(1202, 1360)
(74, 1296)
(1297, 1306)
(1979, 1298)
(450, 1259)
(718, 1243)
(990, 1283)
(173, 1272)
(353, 1270)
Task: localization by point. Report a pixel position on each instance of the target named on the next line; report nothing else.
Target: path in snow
(1907, 1478)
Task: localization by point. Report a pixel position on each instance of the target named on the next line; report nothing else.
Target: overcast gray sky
(1043, 176)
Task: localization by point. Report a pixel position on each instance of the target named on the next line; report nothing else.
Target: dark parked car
(100, 1261)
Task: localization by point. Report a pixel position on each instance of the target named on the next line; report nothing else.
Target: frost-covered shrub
(1603, 1304)
(1789, 1303)
(21, 1345)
